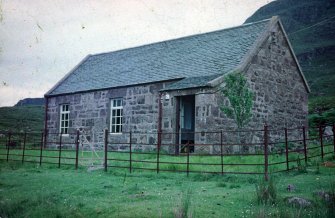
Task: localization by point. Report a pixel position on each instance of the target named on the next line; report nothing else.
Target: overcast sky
(42, 40)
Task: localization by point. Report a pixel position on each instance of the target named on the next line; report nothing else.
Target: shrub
(183, 210)
(266, 192)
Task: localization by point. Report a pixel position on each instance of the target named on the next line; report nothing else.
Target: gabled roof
(209, 54)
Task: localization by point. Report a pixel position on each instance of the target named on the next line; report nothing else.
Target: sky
(42, 40)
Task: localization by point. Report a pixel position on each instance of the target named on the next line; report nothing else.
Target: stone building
(173, 87)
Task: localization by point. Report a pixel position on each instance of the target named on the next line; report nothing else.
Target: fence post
(60, 150)
(130, 142)
(266, 163)
(24, 145)
(41, 150)
(286, 150)
(77, 148)
(45, 138)
(106, 149)
(321, 141)
(221, 151)
(8, 144)
(305, 145)
(158, 150)
(188, 158)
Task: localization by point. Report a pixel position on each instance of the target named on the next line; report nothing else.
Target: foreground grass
(30, 190)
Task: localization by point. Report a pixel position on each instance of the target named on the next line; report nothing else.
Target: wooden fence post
(321, 141)
(106, 150)
(305, 144)
(24, 145)
(130, 154)
(41, 150)
(77, 149)
(60, 150)
(266, 161)
(286, 150)
(221, 151)
(8, 144)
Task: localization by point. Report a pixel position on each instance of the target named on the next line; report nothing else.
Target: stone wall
(90, 113)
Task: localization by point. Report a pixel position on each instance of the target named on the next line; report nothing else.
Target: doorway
(186, 123)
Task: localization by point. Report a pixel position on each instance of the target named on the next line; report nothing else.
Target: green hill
(310, 25)
(23, 118)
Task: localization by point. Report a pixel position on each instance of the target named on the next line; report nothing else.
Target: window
(64, 119)
(116, 115)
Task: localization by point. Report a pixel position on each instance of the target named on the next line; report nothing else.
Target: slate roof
(207, 55)
(191, 82)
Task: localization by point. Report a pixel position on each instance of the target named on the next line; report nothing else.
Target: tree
(240, 99)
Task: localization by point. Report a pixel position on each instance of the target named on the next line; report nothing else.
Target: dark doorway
(186, 123)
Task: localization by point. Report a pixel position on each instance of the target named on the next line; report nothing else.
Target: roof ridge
(183, 37)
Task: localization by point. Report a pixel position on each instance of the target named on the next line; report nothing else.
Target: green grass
(22, 118)
(30, 190)
(148, 161)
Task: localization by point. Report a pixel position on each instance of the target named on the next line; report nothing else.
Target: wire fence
(218, 152)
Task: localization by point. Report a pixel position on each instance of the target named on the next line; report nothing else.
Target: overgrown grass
(30, 190)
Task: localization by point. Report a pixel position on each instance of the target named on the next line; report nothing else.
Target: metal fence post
(188, 158)
(286, 150)
(321, 141)
(45, 138)
(8, 144)
(130, 141)
(305, 145)
(266, 161)
(41, 150)
(221, 151)
(158, 150)
(24, 145)
(106, 149)
(60, 150)
(77, 148)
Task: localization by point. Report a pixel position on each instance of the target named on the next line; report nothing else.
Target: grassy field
(30, 190)
(22, 118)
(148, 161)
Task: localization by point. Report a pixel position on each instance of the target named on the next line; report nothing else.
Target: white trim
(62, 112)
(116, 108)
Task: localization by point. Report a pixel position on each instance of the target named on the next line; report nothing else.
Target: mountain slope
(23, 118)
(310, 25)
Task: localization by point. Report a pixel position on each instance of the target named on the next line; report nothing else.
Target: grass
(22, 118)
(30, 190)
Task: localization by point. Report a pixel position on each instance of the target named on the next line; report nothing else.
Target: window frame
(116, 105)
(65, 119)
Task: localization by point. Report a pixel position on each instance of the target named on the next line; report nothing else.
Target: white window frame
(64, 119)
(116, 116)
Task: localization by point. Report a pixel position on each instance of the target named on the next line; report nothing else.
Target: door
(186, 123)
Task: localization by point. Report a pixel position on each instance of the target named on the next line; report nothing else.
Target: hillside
(310, 25)
(23, 118)
(30, 101)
